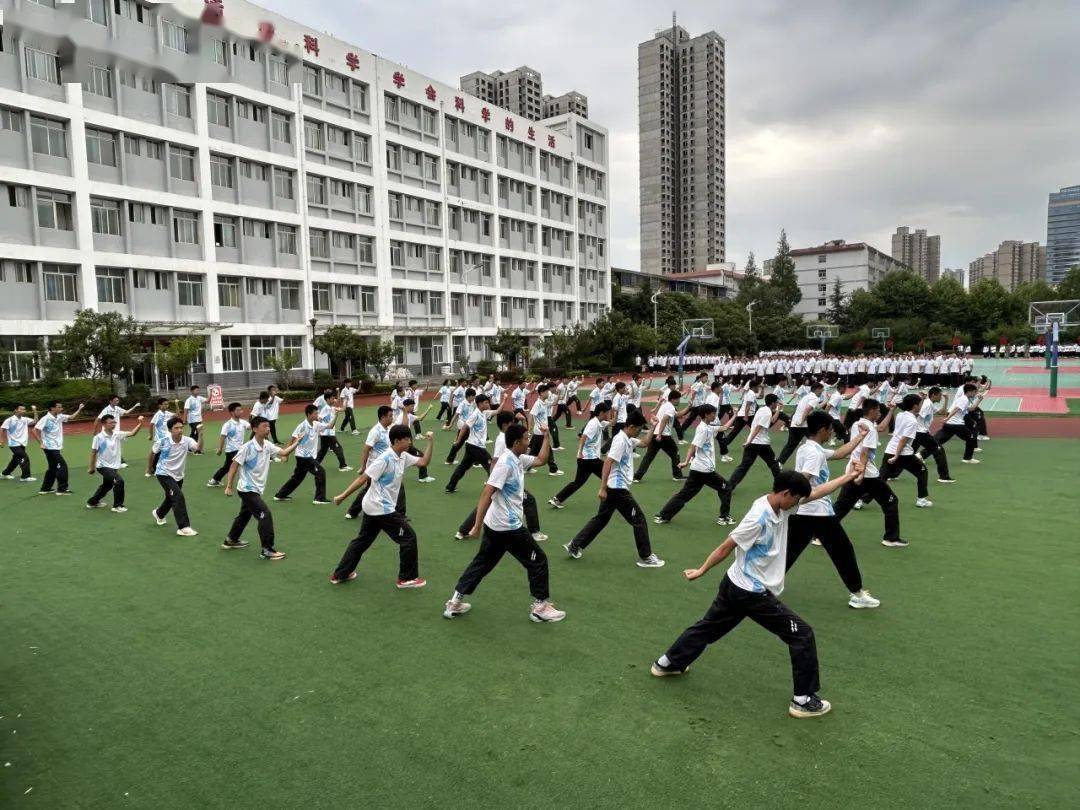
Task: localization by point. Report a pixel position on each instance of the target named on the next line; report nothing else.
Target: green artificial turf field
(143, 669)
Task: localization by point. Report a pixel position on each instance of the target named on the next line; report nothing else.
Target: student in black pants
(667, 418)
(307, 437)
(900, 453)
(757, 443)
(797, 425)
(701, 459)
(105, 460)
(955, 425)
(232, 437)
(384, 477)
(474, 437)
(925, 444)
(589, 461)
(14, 432)
(464, 409)
(871, 482)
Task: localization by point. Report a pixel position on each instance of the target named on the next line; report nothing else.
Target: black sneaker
(660, 671)
(234, 544)
(282, 498)
(814, 707)
(899, 542)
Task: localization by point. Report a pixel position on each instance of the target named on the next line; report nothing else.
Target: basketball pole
(1052, 360)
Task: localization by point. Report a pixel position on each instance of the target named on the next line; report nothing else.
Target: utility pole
(750, 312)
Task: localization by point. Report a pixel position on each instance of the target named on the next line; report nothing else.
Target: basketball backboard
(701, 328)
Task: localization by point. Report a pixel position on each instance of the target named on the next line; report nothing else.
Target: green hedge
(94, 394)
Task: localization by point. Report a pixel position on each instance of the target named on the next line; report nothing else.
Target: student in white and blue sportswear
(193, 410)
(14, 432)
(589, 461)
(956, 424)
(230, 441)
(105, 460)
(328, 440)
(382, 479)
(463, 411)
(252, 464)
(752, 587)
(159, 431)
(376, 443)
(444, 402)
(473, 436)
(171, 453)
(306, 435)
(900, 452)
(347, 397)
(615, 479)
(701, 459)
(500, 516)
(271, 409)
(49, 431)
(540, 426)
(925, 443)
(457, 396)
(114, 408)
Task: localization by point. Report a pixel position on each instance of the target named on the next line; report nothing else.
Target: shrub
(485, 368)
(94, 394)
(137, 393)
(322, 379)
(298, 395)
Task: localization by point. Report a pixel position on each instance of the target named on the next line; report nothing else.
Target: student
(474, 435)
(797, 429)
(105, 461)
(620, 407)
(328, 412)
(900, 452)
(503, 420)
(414, 393)
(835, 402)
(383, 478)
(816, 520)
(306, 436)
(551, 402)
(376, 443)
(14, 432)
(666, 418)
(751, 588)
(410, 420)
(444, 402)
(230, 441)
(49, 432)
(925, 444)
(615, 478)
(572, 398)
(159, 431)
(757, 443)
(588, 454)
(347, 397)
(540, 427)
(193, 408)
(252, 462)
(171, 453)
(871, 482)
(701, 459)
(463, 411)
(457, 396)
(596, 395)
(499, 514)
(270, 412)
(745, 412)
(118, 413)
(955, 425)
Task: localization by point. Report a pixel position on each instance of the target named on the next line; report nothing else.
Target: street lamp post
(750, 313)
(465, 304)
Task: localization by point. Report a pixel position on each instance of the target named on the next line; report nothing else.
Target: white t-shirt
(52, 430)
(444, 393)
(859, 396)
(193, 406)
(666, 409)
(760, 549)
(500, 445)
(869, 444)
(539, 413)
(619, 403)
(748, 405)
(254, 460)
(108, 448)
(477, 425)
(508, 478)
(271, 408)
(378, 439)
(906, 425)
(594, 436)
(926, 415)
(813, 460)
(308, 434)
(233, 431)
(115, 411)
(16, 427)
(834, 404)
(327, 416)
(704, 459)
(518, 397)
(958, 410)
(159, 423)
(762, 419)
(172, 456)
(621, 454)
(802, 410)
(347, 393)
(385, 472)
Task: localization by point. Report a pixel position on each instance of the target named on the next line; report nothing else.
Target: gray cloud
(845, 119)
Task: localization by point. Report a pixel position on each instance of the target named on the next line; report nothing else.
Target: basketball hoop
(1050, 319)
(822, 332)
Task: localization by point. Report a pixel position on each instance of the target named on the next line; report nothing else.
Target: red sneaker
(349, 578)
(411, 583)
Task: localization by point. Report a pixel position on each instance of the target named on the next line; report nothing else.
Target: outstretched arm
(717, 556)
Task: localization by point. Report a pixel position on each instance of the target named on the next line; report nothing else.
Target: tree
(340, 344)
(98, 345)
(380, 354)
(902, 294)
(948, 302)
(839, 312)
(988, 306)
(283, 364)
(508, 344)
(782, 289)
(1069, 288)
(175, 357)
(749, 283)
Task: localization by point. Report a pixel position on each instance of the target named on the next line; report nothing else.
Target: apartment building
(257, 183)
(920, 252)
(856, 265)
(681, 130)
(521, 91)
(1012, 264)
(1062, 233)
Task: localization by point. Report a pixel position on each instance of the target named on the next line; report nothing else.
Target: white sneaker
(452, 609)
(727, 459)
(119, 509)
(97, 506)
(213, 483)
(984, 438)
(815, 542)
(356, 433)
(187, 531)
(159, 520)
(924, 503)
(978, 449)
(652, 561)
(659, 520)
(147, 475)
(556, 473)
(555, 504)
(546, 612)
(426, 480)
(344, 469)
(863, 599)
(858, 505)
(9, 477)
(123, 465)
(971, 461)
(28, 479)
(946, 480)
(539, 537)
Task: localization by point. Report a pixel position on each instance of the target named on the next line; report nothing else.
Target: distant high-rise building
(522, 91)
(958, 274)
(918, 251)
(1012, 264)
(681, 129)
(1062, 233)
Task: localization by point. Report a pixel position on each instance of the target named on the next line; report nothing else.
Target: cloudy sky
(845, 118)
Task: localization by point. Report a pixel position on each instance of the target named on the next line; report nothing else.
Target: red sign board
(217, 398)
(955, 341)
